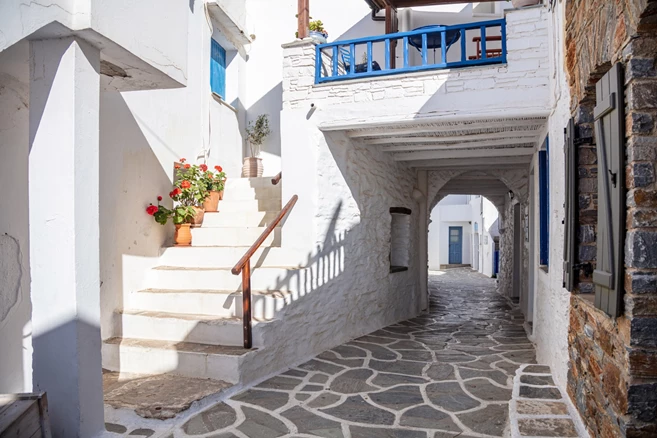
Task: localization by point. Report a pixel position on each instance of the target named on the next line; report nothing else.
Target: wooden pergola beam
(303, 18)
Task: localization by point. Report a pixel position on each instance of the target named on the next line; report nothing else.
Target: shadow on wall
(271, 104)
(131, 177)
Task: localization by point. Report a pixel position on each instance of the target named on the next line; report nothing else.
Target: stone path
(446, 373)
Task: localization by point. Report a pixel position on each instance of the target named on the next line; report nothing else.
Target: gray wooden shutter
(610, 142)
(569, 207)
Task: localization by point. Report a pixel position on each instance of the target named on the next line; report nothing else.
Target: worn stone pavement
(446, 373)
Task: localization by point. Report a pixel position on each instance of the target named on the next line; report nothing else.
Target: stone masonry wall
(527, 58)
(613, 369)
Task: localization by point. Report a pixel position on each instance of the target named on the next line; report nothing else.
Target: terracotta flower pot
(523, 3)
(183, 236)
(211, 203)
(252, 167)
(198, 217)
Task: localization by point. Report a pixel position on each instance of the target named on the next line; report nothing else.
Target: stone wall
(613, 367)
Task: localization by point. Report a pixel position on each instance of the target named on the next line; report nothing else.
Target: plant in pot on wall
(256, 133)
(214, 183)
(193, 191)
(317, 31)
(180, 215)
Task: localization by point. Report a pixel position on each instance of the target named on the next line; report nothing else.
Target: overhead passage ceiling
(381, 4)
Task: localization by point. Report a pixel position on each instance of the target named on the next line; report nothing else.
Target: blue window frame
(218, 69)
(544, 203)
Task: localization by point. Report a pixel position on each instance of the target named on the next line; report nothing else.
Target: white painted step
(184, 359)
(179, 327)
(234, 236)
(239, 219)
(236, 206)
(237, 193)
(266, 279)
(225, 257)
(264, 305)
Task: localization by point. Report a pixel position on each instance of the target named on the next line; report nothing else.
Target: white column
(423, 186)
(64, 233)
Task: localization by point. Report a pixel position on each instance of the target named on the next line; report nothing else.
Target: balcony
(337, 61)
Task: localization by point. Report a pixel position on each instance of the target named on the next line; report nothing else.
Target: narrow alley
(446, 373)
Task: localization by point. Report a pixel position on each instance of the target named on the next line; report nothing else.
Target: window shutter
(544, 208)
(218, 69)
(610, 139)
(569, 207)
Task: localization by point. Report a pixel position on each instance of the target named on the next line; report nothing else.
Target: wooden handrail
(244, 266)
(275, 180)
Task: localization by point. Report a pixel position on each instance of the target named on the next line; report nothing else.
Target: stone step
(225, 257)
(147, 356)
(238, 193)
(263, 278)
(234, 236)
(264, 305)
(250, 205)
(245, 183)
(180, 327)
(239, 219)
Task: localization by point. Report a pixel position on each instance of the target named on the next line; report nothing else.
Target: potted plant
(181, 216)
(192, 191)
(214, 184)
(317, 31)
(256, 132)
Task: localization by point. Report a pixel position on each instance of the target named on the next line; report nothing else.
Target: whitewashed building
(371, 131)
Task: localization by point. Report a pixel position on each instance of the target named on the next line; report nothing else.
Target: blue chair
(434, 39)
(345, 54)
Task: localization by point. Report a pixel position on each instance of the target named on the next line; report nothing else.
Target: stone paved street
(446, 373)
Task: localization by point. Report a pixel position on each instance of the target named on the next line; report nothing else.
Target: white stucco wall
(552, 301)
(15, 305)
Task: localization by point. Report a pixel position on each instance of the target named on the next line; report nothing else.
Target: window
(400, 238)
(544, 203)
(218, 69)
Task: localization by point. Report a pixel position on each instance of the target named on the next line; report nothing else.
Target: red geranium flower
(187, 166)
(151, 209)
(203, 167)
(182, 160)
(218, 168)
(159, 198)
(185, 184)
(175, 192)
(177, 166)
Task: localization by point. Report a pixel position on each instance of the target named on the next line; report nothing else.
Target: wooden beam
(479, 145)
(392, 26)
(303, 18)
(478, 153)
(471, 163)
(530, 135)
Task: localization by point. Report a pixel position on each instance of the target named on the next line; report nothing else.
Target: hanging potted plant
(214, 184)
(180, 215)
(192, 189)
(256, 132)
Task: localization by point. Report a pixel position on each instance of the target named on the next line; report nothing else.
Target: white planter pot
(252, 167)
(523, 3)
(317, 36)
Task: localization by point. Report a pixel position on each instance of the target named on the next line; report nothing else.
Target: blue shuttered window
(544, 204)
(218, 69)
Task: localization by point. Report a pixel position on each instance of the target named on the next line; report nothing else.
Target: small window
(218, 69)
(544, 204)
(400, 238)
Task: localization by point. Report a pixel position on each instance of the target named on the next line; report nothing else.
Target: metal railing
(336, 61)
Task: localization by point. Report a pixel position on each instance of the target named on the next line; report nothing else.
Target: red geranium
(159, 198)
(218, 168)
(177, 166)
(187, 166)
(203, 167)
(151, 209)
(182, 160)
(175, 192)
(185, 184)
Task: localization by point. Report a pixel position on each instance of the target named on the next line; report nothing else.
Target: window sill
(223, 102)
(394, 269)
(543, 268)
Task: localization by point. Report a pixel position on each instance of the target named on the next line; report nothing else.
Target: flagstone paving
(445, 373)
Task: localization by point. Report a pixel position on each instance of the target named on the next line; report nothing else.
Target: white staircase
(187, 319)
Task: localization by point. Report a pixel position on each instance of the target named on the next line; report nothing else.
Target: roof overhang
(381, 4)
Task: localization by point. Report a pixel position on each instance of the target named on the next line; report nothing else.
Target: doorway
(455, 245)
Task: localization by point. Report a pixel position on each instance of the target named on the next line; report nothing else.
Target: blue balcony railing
(340, 60)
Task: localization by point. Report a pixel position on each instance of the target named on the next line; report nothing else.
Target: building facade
(544, 113)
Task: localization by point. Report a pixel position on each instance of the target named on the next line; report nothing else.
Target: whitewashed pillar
(423, 187)
(64, 233)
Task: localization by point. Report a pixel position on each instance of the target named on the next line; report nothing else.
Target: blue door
(455, 245)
